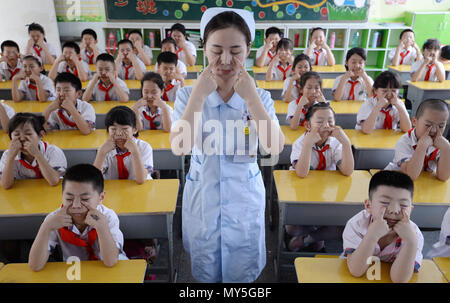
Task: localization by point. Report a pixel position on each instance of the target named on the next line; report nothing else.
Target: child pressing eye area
(312, 89)
(25, 132)
(302, 67)
(31, 67)
(431, 119)
(103, 68)
(322, 119)
(120, 134)
(151, 92)
(389, 93)
(355, 63)
(66, 91)
(76, 194)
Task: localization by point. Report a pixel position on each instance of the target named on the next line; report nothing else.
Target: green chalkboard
(264, 10)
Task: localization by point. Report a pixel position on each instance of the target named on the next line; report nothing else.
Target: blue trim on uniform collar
(215, 100)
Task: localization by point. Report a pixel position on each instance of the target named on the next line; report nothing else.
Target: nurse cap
(214, 11)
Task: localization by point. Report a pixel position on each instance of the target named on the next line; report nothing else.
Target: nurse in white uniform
(224, 195)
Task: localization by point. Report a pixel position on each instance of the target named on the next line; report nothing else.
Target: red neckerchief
(284, 71)
(91, 57)
(74, 71)
(106, 90)
(127, 70)
(403, 55)
(317, 56)
(270, 56)
(123, 172)
(322, 161)
(13, 72)
(178, 52)
(34, 168)
(150, 119)
(34, 87)
(387, 119)
(430, 67)
(64, 119)
(351, 94)
(431, 157)
(72, 238)
(166, 89)
(37, 49)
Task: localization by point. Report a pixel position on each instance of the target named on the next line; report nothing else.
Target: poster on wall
(79, 10)
(264, 10)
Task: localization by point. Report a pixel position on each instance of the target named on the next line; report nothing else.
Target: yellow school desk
(125, 271)
(145, 211)
(325, 71)
(192, 71)
(346, 112)
(431, 200)
(403, 71)
(444, 266)
(322, 198)
(92, 67)
(422, 90)
(276, 88)
(335, 270)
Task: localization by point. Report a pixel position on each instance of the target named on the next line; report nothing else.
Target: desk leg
(282, 215)
(169, 220)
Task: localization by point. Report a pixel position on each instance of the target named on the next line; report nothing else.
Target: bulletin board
(264, 10)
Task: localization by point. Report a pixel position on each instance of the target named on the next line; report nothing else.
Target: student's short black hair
(432, 44)
(66, 77)
(37, 122)
(71, 44)
(392, 178)
(9, 43)
(405, 31)
(122, 115)
(105, 57)
(274, 30)
(445, 52)
(134, 31)
(318, 106)
(301, 57)
(227, 19)
(387, 79)
(316, 29)
(167, 57)
(356, 50)
(89, 31)
(154, 77)
(35, 27)
(178, 27)
(285, 43)
(435, 104)
(309, 75)
(85, 173)
(169, 40)
(124, 41)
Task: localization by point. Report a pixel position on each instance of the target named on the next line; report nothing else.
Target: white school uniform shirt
(292, 107)
(442, 248)
(147, 51)
(170, 91)
(366, 109)
(81, 252)
(38, 52)
(30, 93)
(9, 111)
(111, 171)
(356, 229)
(60, 119)
(407, 56)
(280, 72)
(182, 54)
(100, 95)
(295, 88)
(359, 90)
(333, 155)
(7, 72)
(146, 116)
(319, 57)
(404, 150)
(86, 56)
(53, 154)
(122, 70)
(180, 65)
(433, 76)
(269, 56)
(64, 67)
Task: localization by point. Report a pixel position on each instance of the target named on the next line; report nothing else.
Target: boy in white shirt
(429, 68)
(186, 50)
(173, 80)
(128, 65)
(88, 46)
(407, 51)
(70, 62)
(169, 45)
(142, 51)
(266, 53)
(318, 49)
(83, 226)
(10, 63)
(67, 111)
(384, 229)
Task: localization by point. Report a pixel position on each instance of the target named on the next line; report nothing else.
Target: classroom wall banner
(264, 10)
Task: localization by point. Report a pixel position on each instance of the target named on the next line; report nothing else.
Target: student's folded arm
(166, 119)
(357, 261)
(440, 71)
(4, 119)
(337, 94)
(82, 74)
(330, 57)
(108, 247)
(7, 177)
(137, 69)
(52, 176)
(403, 266)
(84, 127)
(413, 167)
(443, 165)
(123, 96)
(405, 122)
(39, 252)
(347, 164)
(417, 74)
(17, 95)
(53, 72)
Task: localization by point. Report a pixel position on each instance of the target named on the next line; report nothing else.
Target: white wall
(16, 14)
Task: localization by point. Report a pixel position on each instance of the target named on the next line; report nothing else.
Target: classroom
(164, 141)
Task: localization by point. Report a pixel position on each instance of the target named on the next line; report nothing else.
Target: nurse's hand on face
(206, 83)
(245, 84)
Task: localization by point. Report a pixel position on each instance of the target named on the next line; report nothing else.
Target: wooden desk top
(444, 266)
(322, 186)
(335, 270)
(278, 84)
(339, 107)
(125, 271)
(338, 68)
(36, 197)
(290, 135)
(378, 139)
(404, 68)
(430, 85)
(428, 189)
